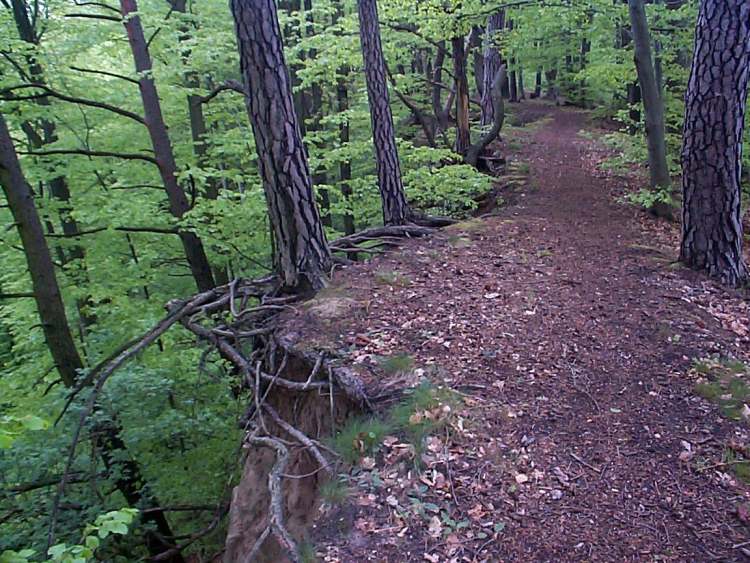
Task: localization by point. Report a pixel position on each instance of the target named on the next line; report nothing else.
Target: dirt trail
(564, 323)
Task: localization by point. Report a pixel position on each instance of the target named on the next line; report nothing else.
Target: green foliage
(11, 427)
(359, 437)
(115, 522)
(396, 364)
(648, 197)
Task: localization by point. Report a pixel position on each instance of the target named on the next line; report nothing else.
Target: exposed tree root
(238, 320)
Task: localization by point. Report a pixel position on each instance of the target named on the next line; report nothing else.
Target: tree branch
(105, 73)
(72, 99)
(157, 230)
(95, 17)
(232, 85)
(83, 152)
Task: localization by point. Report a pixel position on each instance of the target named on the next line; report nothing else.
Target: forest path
(572, 335)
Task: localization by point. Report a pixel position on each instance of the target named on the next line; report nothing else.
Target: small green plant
(725, 382)
(359, 437)
(396, 364)
(425, 410)
(649, 197)
(307, 552)
(388, 277)
(335, 491)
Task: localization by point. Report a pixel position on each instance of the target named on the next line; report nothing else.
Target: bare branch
(15, 295)
(72, 99)
(157, 230)
(95, 17)
(83, 152)
(105, 73)
(229, 85)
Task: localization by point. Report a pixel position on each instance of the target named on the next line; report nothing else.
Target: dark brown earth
(570, 333)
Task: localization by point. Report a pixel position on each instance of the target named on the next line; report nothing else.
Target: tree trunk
(521, 92)
(315, 96)
(712, 141)
(475, 151)
(652, 102)
(463, 128)
(345, 168)
(395, 208)
(538, 84)
(301, 254)
(475, 48)
(492, 62)
(51, 309)
(58, 186)
(199, 131)
(162, 146)
(442, 117)
(46, 290)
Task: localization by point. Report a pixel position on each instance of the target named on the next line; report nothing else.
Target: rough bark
(301, 253)
(162, 146)
(463, 128)
(652, 102)
(492, 62)
(395, 207)
(53, 319)
(712, 141)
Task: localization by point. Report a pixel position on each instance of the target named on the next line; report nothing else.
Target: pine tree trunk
(463, 128)
(301, 252)
(395, 208)
(492, 62)
(712, 141)
(162, 146)
(51, 309)
(652, 103)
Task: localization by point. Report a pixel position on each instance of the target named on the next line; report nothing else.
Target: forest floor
(572, 337)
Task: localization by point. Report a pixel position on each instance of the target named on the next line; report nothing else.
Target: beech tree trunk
(538, 84)
(198, 130)
(49, 301)
(162, 146)
(442, 117)
(58, 186)
(342, 100)
(395, 207)
(301, 254)
(712, 141)
(476, 150)
(475, 48)
(492, 62)
(652, 102)
(52, 316)
(463, 128)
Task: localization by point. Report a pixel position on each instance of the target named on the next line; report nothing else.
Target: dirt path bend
(571, 333)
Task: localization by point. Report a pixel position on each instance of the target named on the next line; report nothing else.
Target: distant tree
(301, 254)
(712, 141)
(162, 144)
(395, 207)
(653, 104)
(106, 433)
(461, 81)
